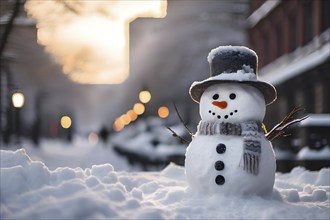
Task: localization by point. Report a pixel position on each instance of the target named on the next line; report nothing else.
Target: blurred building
(26, 67)
(166, 56)
(292, 41)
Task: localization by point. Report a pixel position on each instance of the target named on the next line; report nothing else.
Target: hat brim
(197, 88)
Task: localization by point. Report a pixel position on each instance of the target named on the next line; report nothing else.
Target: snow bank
(29, 189)
(78, 153)
(307, 153)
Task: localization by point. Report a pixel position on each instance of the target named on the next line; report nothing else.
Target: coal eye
(232, 96)
(215, 96)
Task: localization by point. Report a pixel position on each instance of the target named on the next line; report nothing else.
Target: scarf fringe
(251, 163)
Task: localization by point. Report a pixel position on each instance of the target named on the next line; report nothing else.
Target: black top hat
(233, 64)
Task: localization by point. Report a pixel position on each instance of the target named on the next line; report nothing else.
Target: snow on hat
(233, 64)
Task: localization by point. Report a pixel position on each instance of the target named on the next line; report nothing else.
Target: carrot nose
(221, 105)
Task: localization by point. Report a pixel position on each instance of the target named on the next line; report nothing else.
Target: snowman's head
(232, 102)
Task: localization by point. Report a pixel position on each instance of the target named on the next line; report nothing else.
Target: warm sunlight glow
(66, 122)
(139, 108)
(132, 115)
(93, 138)
(18, 99)
(163, 112)
(145, 96)
(90, 39)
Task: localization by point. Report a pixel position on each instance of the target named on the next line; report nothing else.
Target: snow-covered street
(31, 190)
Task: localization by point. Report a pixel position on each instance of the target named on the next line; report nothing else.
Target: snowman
(229, 154)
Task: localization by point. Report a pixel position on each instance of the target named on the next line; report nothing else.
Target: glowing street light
(163, 112)
(139, 108)
(18, 99)
(18, 102)
(66, 122)
(145, 96)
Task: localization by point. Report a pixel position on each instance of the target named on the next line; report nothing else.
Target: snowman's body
(200, 162)
(214, 162)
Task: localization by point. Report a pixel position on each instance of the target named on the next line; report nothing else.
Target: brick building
(292, 41)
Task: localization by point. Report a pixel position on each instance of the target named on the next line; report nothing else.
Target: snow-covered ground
(62, 180)
(29, 189)
(147, 139)
(80, 152)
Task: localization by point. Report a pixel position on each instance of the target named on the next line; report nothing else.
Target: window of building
(309, 95)
(318, 90)
(308, 20)
(325, 23)
(325, 80)
(279, 40)
(283, 107)
(266, 51)
(292, 32)
(299, 97)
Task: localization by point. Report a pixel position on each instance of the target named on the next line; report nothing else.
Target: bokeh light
(139, 108)
(163, 112)
(118, 125)
(133, 116)
(125, 119)
(145, 96)
(66, 122)
(18, 99)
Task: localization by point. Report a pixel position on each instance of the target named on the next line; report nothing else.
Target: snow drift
(30, 190)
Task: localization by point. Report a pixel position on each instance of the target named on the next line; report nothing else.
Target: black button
(220, 180)
(219, 165)
(221, 148)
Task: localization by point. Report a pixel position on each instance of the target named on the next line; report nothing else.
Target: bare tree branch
(184, 124)
(174, 134)
(278, 130)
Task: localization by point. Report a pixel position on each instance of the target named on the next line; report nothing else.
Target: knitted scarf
(251, 132)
